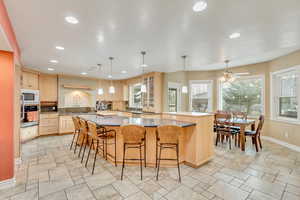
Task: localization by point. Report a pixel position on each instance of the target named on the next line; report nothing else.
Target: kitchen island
(194, 140)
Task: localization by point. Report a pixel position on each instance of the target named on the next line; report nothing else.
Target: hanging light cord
(111, 60)
(184, 62)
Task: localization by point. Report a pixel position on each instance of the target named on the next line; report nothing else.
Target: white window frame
(210, 93)
(178, 87)
(131, 97)
(274, 90)
(260, 76)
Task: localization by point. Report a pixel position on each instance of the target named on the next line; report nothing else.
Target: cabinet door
(28, 133)
(151, 92)
(48, 87)
(66, 124)
(30, 81)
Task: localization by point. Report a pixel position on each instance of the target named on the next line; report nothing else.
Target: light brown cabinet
(30, 80)
(48, 124)
(66, 124)
(106, 96)
(48, 87)
(28, 133)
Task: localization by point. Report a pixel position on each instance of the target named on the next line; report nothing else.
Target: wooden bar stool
(134, 137)
(95, 136)
(167, 137)
(84, 135)
(76, 132)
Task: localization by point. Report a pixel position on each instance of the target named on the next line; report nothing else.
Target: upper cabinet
(48, 87)
(30, 80)
(153, 97)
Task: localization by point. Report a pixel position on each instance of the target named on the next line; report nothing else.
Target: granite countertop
(76, 113)
(121, 121)
(192, 114)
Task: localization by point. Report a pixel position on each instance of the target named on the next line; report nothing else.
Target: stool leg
(156, 151)
(87, 137)
(145, 153)
(95, 156)
(124, 149)
(177, 153)
(87, 159)
(115, 149)
(81, 146)
(158, 163)
(105, 148)
(103, 143)
(141, 164)
(76, 142)
(73, 140)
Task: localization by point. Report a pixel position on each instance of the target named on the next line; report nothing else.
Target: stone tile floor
(49, 171)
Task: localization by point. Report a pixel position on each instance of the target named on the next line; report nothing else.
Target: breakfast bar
(195, 139)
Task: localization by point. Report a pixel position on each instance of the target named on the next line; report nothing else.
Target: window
(284, 94)
(244, 94)
(172, 99)
(135, 96)
(200, 96)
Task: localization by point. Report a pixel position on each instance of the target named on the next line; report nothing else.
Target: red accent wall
(6, 115)
(9, 31)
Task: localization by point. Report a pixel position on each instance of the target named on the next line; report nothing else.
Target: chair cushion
(235, 127)
(247, 132)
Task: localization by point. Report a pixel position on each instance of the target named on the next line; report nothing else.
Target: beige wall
(272, 128)
(17, 112)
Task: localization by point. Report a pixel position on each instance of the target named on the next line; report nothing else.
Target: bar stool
(84, 137)
(76, 132)
(94, 134)
(134, 137)
(167, 137)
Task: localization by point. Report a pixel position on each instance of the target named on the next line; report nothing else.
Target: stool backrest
(133, 133)
(83, 126)
(76, 123)
(168, 134)
(92, 128)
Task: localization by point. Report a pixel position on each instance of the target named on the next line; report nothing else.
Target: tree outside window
(244, 95)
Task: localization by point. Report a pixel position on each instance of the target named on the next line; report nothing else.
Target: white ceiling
(166, 29)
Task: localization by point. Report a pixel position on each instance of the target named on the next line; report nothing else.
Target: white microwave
(30, 97)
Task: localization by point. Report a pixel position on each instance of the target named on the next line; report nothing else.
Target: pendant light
(111, 88)
(228, 76)
(143, 87)
(184, 88)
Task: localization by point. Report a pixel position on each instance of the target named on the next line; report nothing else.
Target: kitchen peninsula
(195, 140)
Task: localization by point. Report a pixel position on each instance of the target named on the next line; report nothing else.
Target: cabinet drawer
(49, 116)
(46, 130)
(49, 122)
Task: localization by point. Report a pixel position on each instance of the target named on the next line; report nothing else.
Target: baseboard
(285, 144)
(8, 183)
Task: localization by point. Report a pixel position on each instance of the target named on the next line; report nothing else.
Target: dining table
(243, 124)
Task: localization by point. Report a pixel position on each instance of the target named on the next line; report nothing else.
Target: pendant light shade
(184, 88)
(100, 91)
(111, 88)
(143, 87)
(228, 76)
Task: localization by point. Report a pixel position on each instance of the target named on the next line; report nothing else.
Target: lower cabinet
(28, 133)
(48, 124)
(66, 124)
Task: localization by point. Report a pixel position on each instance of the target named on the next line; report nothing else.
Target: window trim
(274, 105)
(263, 92)
(177, 86)
(210, 93)
(131, 96)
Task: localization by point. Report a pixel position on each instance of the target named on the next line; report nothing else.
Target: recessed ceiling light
(53, 61)
(109, 76)
(71, 20)
(59, 47)
(199, 6)
(235, 35)
(123, 71)
(83, 73)
(100, 38)
(144, 65)
(50, 69)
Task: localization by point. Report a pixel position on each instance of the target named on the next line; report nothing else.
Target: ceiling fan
(229, 76)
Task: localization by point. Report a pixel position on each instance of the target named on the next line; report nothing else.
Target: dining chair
(134, 137)
(84, 137)
(255, 135)
(224, 131)
(167, 137)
